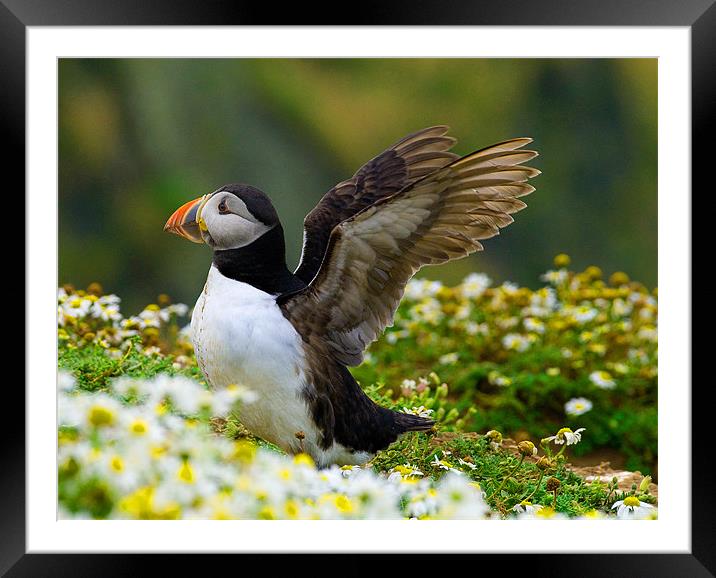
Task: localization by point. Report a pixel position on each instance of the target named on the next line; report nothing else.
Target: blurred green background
(139, 137)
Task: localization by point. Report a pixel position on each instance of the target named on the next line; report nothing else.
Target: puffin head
(231, 217)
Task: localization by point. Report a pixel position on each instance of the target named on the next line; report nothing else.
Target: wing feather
(372, 255)
(411, 158)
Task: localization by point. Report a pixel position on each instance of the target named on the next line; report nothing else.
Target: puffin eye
(223, 209)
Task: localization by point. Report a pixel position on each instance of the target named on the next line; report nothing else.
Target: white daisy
(577, 406)
(473, 328)
(418, 288)
(566, 435)
(448, 359)
(468, 464)
(583, 314)
(621, 308)
(420, 411)
(442, 464)
(555, 277)
(475, 285)
(347, 471)
(526, 507)
(534, 324)
(65, 380)
(407, 387)
(76, 307)
(515, 342)
(496, 378)
(631, 508)
(602, 379)
(648, 333)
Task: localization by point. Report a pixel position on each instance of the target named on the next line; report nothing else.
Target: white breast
(241, 337)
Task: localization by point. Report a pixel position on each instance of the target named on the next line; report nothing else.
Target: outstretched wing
(408, 160)
(372, 255)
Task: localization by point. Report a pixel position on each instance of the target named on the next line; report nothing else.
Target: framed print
(354, 374)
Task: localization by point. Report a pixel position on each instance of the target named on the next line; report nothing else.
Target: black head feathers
(255, 200)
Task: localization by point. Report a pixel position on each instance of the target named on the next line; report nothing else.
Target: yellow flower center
(303, 459)
(291, 508)
(267, 513)
(186, 473)
(545, 512)
(138, 427)
(139, 503)
(244, 451)
(221, 513)
(344, 504)
(100, 416)
(632, 501)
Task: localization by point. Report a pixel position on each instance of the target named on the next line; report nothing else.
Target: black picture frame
(17, 15)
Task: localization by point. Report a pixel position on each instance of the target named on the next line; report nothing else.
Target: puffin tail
(406, 422)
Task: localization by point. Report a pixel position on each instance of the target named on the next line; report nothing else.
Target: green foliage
(491, 467)
(579, 352)
(92, 366)
(517, 357)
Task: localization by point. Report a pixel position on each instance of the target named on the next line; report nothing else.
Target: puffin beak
(186, 220)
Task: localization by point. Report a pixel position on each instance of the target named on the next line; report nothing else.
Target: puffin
(291, 336)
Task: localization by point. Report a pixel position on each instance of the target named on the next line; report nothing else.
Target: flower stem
(507, 477)
(533, 492)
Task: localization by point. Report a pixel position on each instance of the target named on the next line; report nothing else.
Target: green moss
(93, 366)
(492, 468)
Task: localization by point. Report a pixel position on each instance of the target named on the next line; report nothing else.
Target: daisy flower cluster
(146, 449)
(143, 449)
(140, 436)
(87, 317)
(583, 345)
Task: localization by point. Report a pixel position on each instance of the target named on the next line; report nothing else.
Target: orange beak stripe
(183, 221)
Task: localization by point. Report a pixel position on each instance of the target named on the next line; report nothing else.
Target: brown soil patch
(604, 473)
